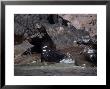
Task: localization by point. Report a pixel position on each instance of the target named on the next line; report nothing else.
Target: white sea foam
(67, 60)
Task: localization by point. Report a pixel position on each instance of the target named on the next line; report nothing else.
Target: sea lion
(90, 54)
(51, 55)
(39, 39)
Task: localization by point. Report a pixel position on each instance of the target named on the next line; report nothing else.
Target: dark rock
(64, 22)
(18, 39)
(56, 19)
(52, 18)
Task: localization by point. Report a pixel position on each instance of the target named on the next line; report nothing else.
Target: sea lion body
(51, 55)
(39, 40)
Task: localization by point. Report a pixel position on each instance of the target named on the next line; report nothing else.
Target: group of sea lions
(43, 44)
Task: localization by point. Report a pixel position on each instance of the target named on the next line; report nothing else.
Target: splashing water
(68, 59)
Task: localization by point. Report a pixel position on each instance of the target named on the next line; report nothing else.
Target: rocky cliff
(65, 30)
(71, 33)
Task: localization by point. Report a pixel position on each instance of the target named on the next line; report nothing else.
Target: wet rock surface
(78, 45)
(52, 70)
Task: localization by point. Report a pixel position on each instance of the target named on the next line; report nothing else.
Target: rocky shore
(74, 35)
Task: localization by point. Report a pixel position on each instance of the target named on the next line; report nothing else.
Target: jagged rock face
(61, 31)
(59, 27)
(81, 21)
